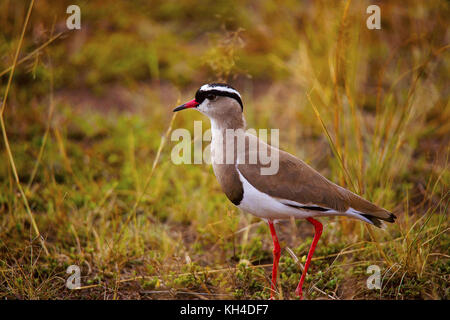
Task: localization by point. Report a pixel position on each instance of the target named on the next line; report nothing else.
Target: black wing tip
(391, 217)
(376, 221)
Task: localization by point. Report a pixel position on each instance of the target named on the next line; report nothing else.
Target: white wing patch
(358, 215)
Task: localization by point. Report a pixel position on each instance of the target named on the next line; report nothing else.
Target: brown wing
(296, 181)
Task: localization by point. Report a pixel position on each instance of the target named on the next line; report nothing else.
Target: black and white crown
(218, 89)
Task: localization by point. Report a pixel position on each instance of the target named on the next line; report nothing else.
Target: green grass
(86, 113)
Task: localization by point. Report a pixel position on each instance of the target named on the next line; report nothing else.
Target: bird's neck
(234, 122)
(221, 132)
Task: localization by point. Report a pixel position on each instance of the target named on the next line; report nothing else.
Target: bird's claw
(299, 293)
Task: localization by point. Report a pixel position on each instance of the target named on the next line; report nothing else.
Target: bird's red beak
(190, 104)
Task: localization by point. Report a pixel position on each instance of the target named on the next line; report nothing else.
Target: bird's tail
(367, 211)
(377, 221)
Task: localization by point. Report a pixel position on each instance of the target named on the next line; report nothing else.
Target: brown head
(220, 102)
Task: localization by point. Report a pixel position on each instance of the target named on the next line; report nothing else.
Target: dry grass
(87, 152)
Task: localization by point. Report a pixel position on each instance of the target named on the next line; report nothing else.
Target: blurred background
(85, 152)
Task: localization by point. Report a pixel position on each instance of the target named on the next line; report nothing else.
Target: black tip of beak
(179, 108)
(190, 104)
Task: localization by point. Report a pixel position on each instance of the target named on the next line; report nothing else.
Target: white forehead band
(207, 87)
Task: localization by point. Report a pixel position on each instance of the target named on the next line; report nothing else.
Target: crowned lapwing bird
(294, 189)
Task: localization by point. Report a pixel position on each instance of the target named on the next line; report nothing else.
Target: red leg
(276, 258)
(318, 231)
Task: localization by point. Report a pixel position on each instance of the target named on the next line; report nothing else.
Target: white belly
(264, 206)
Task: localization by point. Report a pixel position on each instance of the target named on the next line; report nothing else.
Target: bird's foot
(272, 294)
(299, 293)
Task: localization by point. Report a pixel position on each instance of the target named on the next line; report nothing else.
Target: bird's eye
(210, 96)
